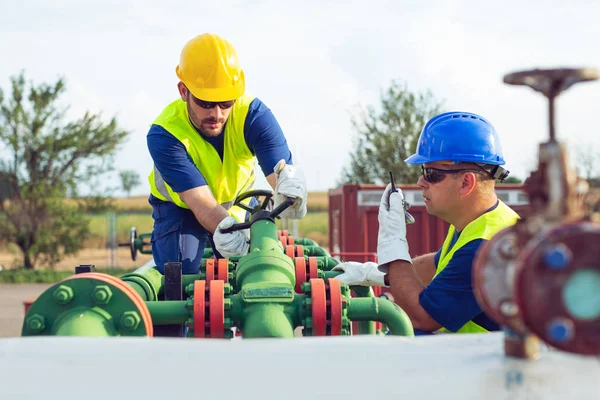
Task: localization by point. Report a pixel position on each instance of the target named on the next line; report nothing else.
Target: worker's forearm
(272, 180)
(204, 206)
(406, 287)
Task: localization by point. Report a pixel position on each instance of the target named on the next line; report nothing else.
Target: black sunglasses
(223, 105)
(436, 175)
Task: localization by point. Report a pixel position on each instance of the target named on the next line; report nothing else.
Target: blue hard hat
(459, 137)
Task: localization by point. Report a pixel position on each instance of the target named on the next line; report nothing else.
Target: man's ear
(468, 183)
(183, 91)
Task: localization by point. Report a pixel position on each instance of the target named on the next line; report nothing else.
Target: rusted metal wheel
(493, 285)
(557, 282)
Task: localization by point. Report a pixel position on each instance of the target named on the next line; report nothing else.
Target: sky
(313, 63)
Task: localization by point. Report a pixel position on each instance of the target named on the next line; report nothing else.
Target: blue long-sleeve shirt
(263, 134)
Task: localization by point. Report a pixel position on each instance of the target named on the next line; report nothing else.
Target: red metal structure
(353, 221)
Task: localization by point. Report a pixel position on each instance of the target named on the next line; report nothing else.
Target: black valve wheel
(259, 212)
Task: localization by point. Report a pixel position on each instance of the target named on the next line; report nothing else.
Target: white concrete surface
(363, 367)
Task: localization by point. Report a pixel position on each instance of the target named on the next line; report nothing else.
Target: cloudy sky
(313, 61)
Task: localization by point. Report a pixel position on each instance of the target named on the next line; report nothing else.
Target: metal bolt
(227, 304)
(36, 323)
(345, 321)
(308, 322)
(508, 308)
(344, 304)
(63, 294)
(345, 332)
(227, 289)
(306, 287)
(345, 290)
(130, 320)
(308, 304)
(561, 330)
(101, 294)
(558, 257)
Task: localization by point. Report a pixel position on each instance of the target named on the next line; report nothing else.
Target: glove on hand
(290, 183)
(391, 239)
(360, 274)
(232, 243)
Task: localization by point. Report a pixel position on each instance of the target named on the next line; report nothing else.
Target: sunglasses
(435, 175)
(223, 105)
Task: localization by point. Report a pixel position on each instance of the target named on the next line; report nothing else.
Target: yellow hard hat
(210, 69)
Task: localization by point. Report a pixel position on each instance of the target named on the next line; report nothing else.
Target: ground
(12, 310)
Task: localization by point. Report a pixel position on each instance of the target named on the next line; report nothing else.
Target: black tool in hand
(408, 218)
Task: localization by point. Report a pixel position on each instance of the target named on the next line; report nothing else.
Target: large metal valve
(540, 278)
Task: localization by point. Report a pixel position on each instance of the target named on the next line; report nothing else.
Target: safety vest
(484, 227)
(226, 178)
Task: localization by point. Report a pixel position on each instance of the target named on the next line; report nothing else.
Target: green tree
(386, 137)
(129, 180)
(43, 158)
(512, 179)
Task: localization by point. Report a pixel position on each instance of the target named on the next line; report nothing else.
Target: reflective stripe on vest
(484, 227)
(226, 178)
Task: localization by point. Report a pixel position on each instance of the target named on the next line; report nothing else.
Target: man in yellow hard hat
(204, 146)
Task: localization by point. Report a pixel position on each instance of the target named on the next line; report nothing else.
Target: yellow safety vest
(226, 178)
(484, 227)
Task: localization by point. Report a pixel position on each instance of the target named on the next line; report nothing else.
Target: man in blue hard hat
(461, 158)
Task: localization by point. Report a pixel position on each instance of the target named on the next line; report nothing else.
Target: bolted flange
(63, 294)
(102, 294)
(130, 320)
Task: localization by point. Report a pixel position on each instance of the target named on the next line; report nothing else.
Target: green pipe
(382, 310)
(305, 242)
(169, 312)
(186, 280)
(364, 327)
(315, 251)
(148, 279)
(263, 320)
(84, 322)
(326, 263)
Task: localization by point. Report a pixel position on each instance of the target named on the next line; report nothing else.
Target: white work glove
(232, 243)
(360, 274)
(290, 183)
(391, 239)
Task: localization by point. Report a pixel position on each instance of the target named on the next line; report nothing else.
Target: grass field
(136, 212)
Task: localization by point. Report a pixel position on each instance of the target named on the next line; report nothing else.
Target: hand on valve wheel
(230, 244)
(290, 182)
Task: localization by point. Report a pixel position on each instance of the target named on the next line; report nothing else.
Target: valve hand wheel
(262, 207)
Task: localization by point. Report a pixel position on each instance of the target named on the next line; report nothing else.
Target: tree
(512, 179)
(387, 137)
(43, 158)
(129, 180)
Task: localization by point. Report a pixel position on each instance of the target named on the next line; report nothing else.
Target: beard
(204, 124)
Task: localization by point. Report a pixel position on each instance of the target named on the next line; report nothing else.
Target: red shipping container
(353, 223)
